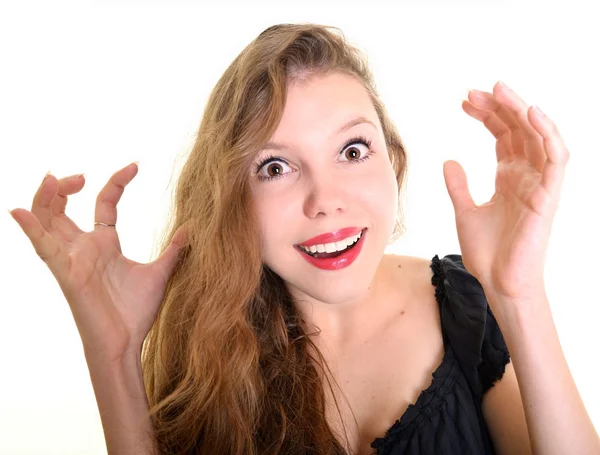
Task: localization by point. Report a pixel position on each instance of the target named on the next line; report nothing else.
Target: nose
(326, 196)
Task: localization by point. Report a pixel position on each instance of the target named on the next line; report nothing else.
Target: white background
(92, 86)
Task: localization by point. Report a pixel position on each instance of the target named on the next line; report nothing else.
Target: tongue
(328, 255)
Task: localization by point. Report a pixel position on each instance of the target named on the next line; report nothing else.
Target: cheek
(380, 192)
(375, 193)
(275, 214)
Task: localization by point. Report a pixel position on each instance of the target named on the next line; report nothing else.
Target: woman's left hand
(503, 242)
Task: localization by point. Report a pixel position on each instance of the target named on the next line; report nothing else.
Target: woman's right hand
(114, 300)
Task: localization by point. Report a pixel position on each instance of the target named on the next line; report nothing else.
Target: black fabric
(447, 418)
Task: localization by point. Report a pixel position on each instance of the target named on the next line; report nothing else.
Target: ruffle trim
(429, 400)
(494, 354)
(473, 345)
(468, 321)
(438, 278)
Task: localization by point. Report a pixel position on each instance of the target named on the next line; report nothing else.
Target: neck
(354, 321)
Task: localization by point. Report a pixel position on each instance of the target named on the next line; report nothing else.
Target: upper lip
(331, 237)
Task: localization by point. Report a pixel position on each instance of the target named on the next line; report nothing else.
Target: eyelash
(355, 140)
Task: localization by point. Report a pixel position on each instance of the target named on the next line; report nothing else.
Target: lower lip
(339, 262)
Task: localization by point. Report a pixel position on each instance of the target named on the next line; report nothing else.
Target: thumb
(166, 261)
(456, 183)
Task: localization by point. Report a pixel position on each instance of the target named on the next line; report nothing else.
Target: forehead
(322, 106)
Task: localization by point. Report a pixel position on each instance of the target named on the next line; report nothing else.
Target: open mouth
(334, 254)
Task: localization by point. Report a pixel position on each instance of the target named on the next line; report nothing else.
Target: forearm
(556, 417)
(123, 406)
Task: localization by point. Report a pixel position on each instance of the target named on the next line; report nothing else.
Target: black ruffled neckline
(431, 396)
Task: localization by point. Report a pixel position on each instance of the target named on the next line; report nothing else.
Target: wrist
(128, 359)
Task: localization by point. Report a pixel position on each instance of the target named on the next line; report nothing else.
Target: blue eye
(272, 159)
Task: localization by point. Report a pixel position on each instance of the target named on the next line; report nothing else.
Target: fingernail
(10, 213)
(77, 175)
(478, 94)
(130, 165)
(46, 176)
(503, 85)
(539, 112)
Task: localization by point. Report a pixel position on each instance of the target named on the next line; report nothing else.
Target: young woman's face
(317, 184)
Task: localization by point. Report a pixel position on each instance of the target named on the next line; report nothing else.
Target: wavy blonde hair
(227, 366)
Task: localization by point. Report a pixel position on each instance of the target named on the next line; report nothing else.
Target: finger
(50, 199)
(44, 244)
(493, 123)
(458, 188)
(534, 147)
(109, 196)
(42, 199)
(555, 150)
(506, 127)
(61, 222)
(66, 186)
(167, 261)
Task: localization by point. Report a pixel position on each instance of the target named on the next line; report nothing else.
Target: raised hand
(114, 300)
(504, 241)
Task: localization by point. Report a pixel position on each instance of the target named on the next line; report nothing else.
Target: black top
(447, 418)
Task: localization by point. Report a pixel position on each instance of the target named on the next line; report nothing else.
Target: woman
(273, 322)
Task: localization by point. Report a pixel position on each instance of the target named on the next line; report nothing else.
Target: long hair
(227, 366)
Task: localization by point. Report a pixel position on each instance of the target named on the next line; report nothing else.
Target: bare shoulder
(417, 267)
(411, 276)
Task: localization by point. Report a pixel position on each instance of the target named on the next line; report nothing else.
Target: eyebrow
(345, 127)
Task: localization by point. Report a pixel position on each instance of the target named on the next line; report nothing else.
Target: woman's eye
(353, 152)
(272, 167)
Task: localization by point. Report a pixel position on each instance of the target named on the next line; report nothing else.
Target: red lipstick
(331, 237)
(338, 262)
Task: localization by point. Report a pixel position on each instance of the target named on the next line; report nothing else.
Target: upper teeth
(331, 247)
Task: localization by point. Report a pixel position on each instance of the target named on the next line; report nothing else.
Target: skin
(320, 190)
(371, 310)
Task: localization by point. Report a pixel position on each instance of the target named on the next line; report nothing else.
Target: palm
(504, 241)
(114, 300)
(99, 270)
(506, 227)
